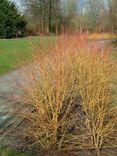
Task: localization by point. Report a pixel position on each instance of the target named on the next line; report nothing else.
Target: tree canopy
(12, 23)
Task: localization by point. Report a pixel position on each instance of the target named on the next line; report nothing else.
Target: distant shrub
(70, 89)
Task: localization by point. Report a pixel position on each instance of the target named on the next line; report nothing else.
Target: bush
(70, 91)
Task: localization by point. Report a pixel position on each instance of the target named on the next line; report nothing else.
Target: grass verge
(14, 51)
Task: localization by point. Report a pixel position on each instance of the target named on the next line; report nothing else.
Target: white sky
(17, 2)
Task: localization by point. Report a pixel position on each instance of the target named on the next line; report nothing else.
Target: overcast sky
(82, 2)
(17, 2)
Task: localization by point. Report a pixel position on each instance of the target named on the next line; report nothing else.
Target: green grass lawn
(11, 52)
(14, 51)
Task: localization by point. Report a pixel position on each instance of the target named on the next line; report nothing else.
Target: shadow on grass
(5, 151)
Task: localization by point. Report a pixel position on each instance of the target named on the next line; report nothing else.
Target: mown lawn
(11, 52)
(14, 51)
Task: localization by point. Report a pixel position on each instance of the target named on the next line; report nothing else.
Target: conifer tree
(12, 23)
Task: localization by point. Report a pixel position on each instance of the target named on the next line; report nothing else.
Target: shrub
(70, 92)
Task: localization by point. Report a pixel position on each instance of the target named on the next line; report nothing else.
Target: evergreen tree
(12, 24)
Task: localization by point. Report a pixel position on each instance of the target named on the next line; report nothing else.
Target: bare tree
(70, 13)
(91, 15)
(43, 13)
(113, 13)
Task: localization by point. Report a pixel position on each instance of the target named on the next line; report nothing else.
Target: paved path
(10, 102)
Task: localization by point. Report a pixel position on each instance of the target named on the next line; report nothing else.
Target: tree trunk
(50, 16)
